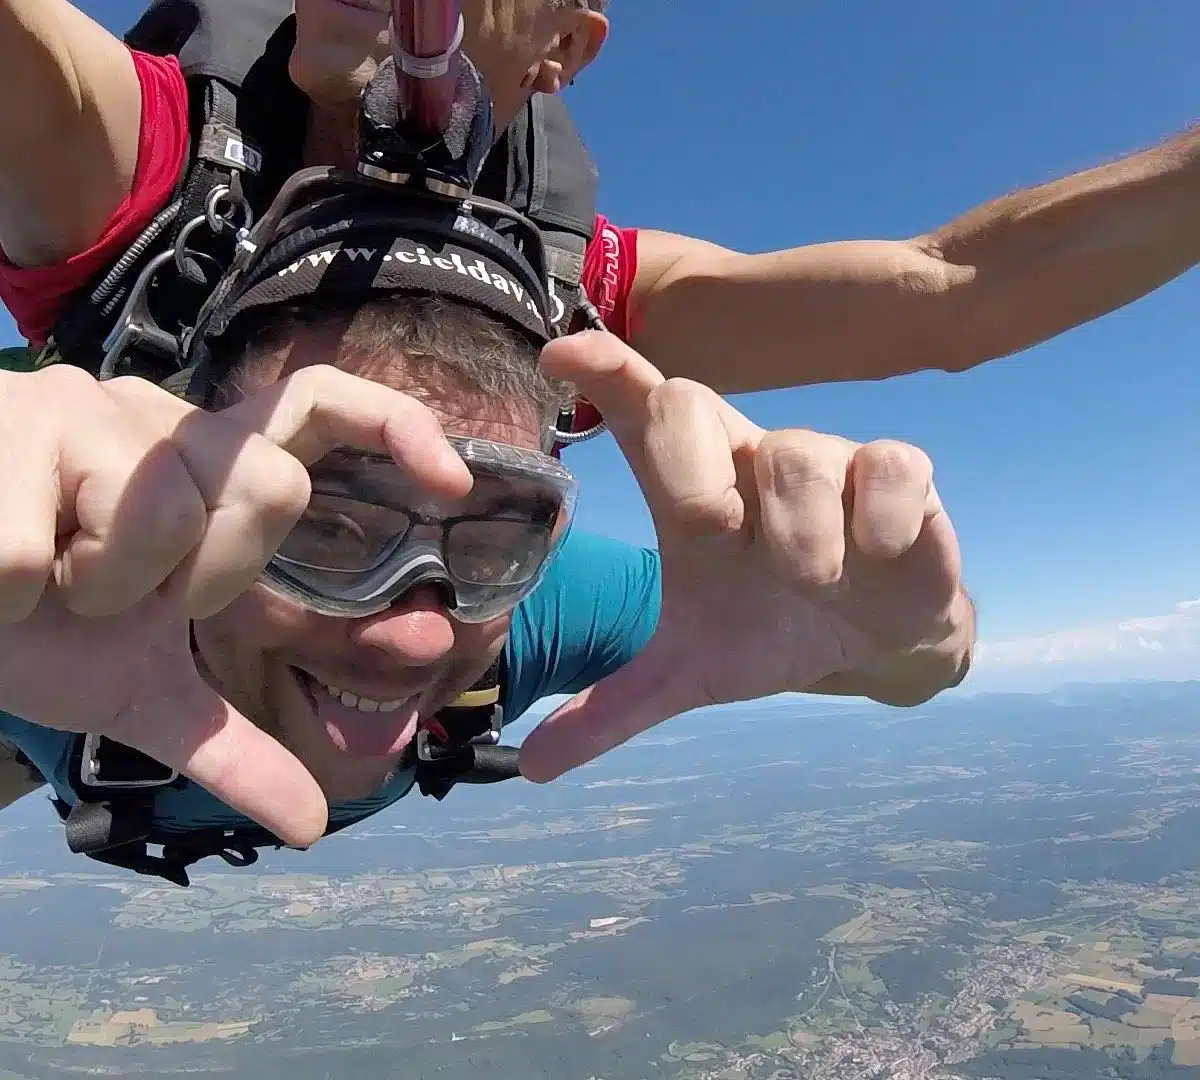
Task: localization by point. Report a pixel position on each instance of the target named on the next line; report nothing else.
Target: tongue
(360, 734)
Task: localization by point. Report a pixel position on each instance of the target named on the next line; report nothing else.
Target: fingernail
(451, 460)
(447, 452)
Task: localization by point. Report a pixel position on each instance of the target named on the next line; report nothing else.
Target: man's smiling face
(279, 663)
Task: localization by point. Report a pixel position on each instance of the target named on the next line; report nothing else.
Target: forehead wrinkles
(440, 385)
(474, 412)
(463, 407)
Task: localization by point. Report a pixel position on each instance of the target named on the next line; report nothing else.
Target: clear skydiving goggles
(370, 535)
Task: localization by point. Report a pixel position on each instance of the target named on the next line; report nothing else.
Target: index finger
(612, 376)
(620, 382)
(316, 409)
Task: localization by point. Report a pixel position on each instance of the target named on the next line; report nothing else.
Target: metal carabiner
(218, 221)
(136, 326)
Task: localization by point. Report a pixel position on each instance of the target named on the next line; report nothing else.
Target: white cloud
(1165, 646)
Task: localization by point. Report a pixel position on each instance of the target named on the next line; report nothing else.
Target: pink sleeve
(35, 296)
(609, 267)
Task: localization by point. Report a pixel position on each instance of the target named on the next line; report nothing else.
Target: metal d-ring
(136, 325)
(218, 221)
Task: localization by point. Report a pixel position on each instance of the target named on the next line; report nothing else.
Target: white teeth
(362, 704)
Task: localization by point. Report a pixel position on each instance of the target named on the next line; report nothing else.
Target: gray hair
(441, 344)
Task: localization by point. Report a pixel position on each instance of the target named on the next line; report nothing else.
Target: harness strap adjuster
(112, 819)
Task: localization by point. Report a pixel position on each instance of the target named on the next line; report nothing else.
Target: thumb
(195, 731)
(616, 379)
(633, 699)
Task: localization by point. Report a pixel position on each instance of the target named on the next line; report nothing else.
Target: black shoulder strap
(541, 167)
(112, 818)
(220, 39)
(242, 107)
(242, 48)
(247, 120)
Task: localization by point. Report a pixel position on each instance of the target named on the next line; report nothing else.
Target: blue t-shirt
(596, 607)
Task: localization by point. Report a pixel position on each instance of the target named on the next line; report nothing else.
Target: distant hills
(1163, 646)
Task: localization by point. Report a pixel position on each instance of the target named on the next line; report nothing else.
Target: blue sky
(1071, 470)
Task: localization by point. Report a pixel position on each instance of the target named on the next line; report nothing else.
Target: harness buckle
(433, 747)
(491, 735)
(108, 765)
(136, 326)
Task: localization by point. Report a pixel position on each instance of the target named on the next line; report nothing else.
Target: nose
(416, 631)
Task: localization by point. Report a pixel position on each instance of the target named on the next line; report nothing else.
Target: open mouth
(358, 726)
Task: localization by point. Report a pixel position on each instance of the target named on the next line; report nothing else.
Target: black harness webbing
(112, 821)
(248, 120)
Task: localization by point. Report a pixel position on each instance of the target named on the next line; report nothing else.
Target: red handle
(427, 40)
